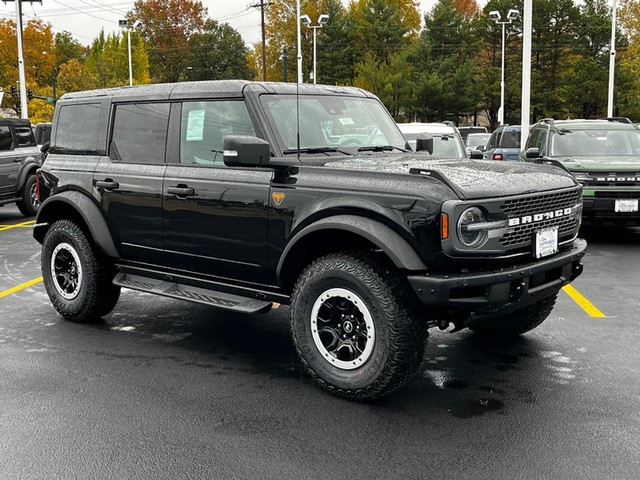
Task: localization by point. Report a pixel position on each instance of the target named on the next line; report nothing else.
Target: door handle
(107, 184)
(181, 191)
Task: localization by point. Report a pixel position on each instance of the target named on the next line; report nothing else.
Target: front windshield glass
(568, 142)
(331, 121)
(448, 146)
(478, 139)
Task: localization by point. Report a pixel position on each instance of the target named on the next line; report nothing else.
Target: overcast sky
(85, 18)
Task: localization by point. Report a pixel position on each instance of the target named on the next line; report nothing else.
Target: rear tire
(356, 326)
(77, 277)
(29, 202)
(513, 324)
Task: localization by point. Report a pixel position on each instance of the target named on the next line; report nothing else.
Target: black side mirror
(533, 152)
(476, 155)
(245, 151)
(424, 143)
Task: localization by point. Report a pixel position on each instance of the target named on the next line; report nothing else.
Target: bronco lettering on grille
(538, 217)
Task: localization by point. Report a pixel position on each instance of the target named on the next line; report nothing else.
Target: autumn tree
(217, 53)
(167, 26)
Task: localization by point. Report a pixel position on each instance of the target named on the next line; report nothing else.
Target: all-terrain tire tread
(518, 322)
(407, 334)
(101, 295)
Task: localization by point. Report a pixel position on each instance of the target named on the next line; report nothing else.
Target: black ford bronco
(240, 195)
(20, 158)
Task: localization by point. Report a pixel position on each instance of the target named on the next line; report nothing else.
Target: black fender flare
(29, 168)
(86, 209)
(390, 242)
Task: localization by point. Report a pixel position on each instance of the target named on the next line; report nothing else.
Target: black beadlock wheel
(29, 202)
(77, 277)
(516, 323)
(356, 326)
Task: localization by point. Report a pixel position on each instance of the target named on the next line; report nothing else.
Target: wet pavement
(167, 389)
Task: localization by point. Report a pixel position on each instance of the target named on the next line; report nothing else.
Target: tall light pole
(322, 20)
(612, 59)
(21, 75)
(299, 55)
(125, 25)
(494, 15)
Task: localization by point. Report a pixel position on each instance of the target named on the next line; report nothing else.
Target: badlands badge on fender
(278, 197)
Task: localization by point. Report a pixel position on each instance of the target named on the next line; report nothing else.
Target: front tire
(77, 277)
(29, 202)
(356, 326)
(521, 321)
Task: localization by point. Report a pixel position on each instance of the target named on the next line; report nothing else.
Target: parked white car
(446, 139)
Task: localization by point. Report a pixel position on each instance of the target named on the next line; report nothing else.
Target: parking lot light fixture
(322, 21)
(495, 16)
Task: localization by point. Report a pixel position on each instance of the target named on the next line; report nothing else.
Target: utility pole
(262, 5)
(21, 75)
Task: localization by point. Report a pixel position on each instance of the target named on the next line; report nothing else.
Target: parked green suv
(603, 155)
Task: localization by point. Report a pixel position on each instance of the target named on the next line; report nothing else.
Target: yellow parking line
(23, 224)
(20, 287)
(586, 305)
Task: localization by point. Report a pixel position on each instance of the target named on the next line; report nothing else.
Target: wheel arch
(29, 169)
(342, 232)
(79, 208)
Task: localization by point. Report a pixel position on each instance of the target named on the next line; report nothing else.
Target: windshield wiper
(380, 148)
(315, 150)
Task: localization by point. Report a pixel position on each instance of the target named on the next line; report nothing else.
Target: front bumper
(601, 211)
(521, 285)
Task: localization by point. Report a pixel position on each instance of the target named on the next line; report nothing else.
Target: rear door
(9, 168)
(129, 179)
(215, 217)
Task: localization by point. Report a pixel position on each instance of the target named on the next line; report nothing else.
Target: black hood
(471, 178)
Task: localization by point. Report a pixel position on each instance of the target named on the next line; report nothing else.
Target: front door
(215, 217)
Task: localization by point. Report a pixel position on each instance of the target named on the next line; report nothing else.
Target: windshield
(449, 146)
(569, 142)
(477, 139)
(337, 122)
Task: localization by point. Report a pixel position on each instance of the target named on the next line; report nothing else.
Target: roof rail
(617, 119)
(546, 120)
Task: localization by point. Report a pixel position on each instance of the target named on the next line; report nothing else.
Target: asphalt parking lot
(166, 389)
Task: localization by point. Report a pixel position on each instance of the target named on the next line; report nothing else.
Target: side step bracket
(223, 300)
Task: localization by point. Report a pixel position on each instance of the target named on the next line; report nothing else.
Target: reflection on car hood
(472, 178)
(601, 163)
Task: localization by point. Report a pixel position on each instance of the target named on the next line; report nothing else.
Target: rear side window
(140, 133)
(6, 142)
(77, 128)
(24, 136)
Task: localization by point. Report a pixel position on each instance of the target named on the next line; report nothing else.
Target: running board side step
(189, 293)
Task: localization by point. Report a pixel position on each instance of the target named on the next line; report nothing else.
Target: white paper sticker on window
(195, 126)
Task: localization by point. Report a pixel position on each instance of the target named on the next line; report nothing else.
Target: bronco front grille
(540, 203)
(522, 235)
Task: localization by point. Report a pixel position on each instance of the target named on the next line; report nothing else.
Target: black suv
(20, 158)
(603, 155)
(237, 195)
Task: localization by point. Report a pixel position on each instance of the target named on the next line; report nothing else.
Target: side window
(493, 141)
(542, 140)
(140, 132)
(6, 142)
(24, 136)
(534, 138)
(205, 124)
(77, 128)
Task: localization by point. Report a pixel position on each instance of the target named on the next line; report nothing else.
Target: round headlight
(469, 236)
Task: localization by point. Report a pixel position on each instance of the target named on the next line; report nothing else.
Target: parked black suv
(603, 155)
(209, 192)
(19, 160)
